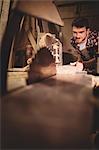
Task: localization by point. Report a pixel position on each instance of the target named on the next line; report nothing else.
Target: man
(85, 43)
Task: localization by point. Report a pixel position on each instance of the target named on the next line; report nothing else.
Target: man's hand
(29, 61)
(78, 65)
(73, 64)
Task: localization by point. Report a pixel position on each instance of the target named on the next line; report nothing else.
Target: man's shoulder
(73, 43)
(93, 33)
(92, 38)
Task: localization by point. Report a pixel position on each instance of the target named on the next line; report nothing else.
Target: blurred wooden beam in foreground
(53, 113)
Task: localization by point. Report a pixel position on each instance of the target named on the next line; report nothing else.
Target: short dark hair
(80, 22)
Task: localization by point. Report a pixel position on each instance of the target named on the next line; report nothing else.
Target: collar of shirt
(82, 45)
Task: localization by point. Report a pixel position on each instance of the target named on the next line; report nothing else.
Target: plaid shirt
(91, 45)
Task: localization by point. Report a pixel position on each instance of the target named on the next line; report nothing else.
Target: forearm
(89, 63)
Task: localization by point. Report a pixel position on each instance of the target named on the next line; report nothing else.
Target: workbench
(54, 113)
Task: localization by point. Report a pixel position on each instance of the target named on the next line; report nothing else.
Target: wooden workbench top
(54, 113)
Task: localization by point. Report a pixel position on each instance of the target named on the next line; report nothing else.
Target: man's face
(80, 34)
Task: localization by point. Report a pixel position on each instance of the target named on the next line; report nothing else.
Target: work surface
(54, 113)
